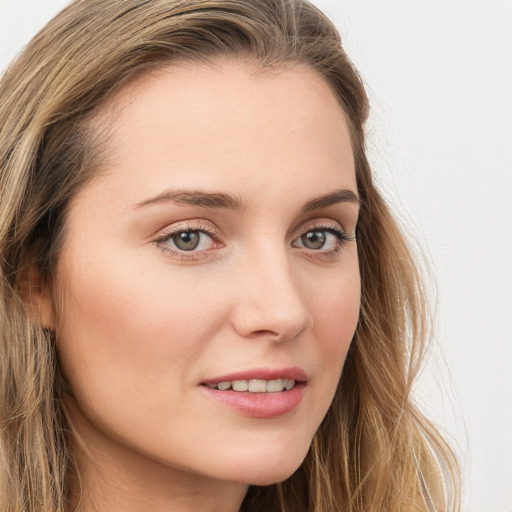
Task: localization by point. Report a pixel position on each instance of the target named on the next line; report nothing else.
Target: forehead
(214, 124)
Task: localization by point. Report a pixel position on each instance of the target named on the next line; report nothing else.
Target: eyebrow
(220, 200)
(338, 196)
(196, 198)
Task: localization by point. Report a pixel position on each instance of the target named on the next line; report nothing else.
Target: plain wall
(439, 76)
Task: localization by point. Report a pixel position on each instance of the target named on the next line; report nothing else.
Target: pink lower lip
(260, 405)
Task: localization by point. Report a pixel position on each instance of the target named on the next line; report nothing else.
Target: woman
(188, 321)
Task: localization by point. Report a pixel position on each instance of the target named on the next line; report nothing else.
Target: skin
(141, 327)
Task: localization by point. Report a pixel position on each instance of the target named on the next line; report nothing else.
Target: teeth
(273, 386)
(256, 385)
(240, 385)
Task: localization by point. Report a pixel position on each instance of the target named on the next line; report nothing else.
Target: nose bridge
(270, 301)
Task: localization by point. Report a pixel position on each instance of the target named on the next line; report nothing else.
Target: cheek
(335, 311)
(125, 328)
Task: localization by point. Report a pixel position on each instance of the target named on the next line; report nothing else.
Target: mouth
(259, 393)
(259, 380)
(254, 385)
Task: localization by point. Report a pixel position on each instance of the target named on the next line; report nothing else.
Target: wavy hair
(374, 450)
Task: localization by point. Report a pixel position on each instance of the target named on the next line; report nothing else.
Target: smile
(255, 385)
(259, 392)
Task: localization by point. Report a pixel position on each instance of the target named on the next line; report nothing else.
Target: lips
(259, 393)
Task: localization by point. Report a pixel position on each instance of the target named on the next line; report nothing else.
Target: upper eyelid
(321, 224)
(183, 226)
(209, 228)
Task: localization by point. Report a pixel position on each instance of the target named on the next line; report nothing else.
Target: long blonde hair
(374, 450)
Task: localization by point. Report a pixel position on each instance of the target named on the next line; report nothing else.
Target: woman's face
(215, 251)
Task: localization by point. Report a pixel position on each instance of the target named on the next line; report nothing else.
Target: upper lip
(296, 373)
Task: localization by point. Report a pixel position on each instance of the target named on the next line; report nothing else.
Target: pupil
(186, 241)
(314, 239)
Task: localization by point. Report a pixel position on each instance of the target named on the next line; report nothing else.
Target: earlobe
(38, 298)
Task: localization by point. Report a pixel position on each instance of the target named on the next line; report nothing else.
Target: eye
(189, 240)
(322, 238)
(314, 239)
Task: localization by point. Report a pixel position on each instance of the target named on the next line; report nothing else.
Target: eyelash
(341, 236)
(197, 227)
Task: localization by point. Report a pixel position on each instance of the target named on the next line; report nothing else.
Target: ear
(38, 298)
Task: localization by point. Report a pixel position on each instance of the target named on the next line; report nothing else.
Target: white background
(439, 75)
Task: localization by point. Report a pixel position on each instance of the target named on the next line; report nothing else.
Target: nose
(269, 303)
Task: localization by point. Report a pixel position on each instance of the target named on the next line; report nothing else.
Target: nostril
(265, 333)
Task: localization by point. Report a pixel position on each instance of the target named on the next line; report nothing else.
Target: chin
(272, 477)
(270, 469)
(263, 477)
